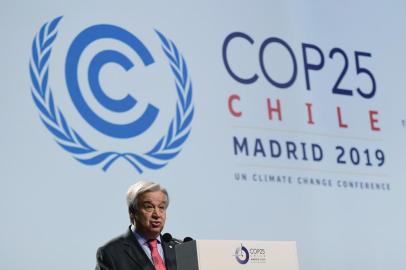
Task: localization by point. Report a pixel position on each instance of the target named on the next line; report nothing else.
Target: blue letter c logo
(86, 37)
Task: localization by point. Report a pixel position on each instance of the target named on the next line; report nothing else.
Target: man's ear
(133, 215)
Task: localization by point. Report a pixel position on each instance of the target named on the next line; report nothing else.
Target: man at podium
(141, 247)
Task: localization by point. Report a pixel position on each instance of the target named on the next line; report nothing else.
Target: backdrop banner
(265, 121)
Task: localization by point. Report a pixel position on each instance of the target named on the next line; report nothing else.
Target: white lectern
(232, 255)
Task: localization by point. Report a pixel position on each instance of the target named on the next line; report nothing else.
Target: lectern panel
(237, 254)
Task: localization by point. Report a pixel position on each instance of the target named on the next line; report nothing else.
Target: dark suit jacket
(125, 253)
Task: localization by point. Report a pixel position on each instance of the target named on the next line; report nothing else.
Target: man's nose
(156, 212)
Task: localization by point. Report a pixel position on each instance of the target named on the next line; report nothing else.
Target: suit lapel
(170, 256)
(136, 253)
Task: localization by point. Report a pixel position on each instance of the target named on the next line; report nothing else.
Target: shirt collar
(141, 238)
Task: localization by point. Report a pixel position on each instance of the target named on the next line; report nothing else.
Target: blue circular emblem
(241, 255)
(167, 147)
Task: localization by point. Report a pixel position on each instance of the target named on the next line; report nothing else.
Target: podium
(234, 255)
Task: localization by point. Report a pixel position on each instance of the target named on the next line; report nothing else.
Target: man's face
(151, 215)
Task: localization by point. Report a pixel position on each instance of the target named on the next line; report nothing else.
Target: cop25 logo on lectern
(254, 255)
(164, 149)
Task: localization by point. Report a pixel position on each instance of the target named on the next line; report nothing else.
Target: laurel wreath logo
(52, 117)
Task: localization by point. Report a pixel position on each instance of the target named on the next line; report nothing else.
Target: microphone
(187, 239)
(167, 237)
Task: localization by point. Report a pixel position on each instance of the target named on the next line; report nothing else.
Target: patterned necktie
(156, 258)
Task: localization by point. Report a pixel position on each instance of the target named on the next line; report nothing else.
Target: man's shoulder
(116, 242)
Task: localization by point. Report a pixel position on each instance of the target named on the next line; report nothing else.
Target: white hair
(139, 188)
